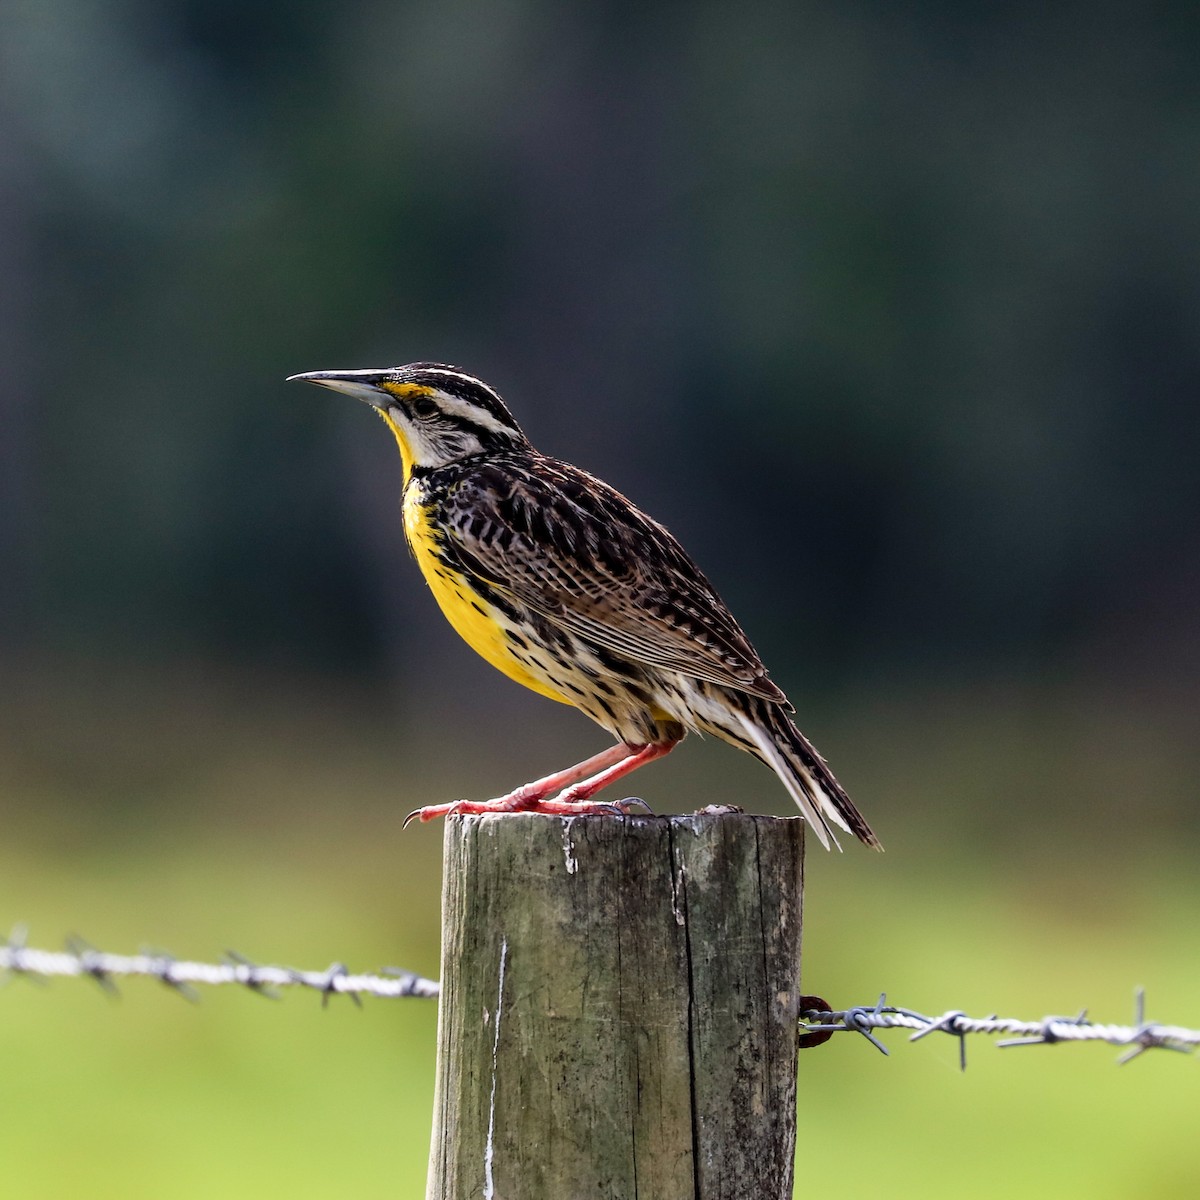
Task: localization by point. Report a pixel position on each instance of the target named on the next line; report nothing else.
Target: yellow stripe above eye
(406, 391)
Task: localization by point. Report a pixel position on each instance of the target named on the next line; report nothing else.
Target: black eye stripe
(461, 386)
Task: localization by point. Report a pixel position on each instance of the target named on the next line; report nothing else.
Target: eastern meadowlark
(567, 587)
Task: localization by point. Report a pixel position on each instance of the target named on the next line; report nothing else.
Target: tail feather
(821, 799)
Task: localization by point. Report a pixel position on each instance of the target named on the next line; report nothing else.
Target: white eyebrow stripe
(456, 406)
(462, 375)
(471, 413)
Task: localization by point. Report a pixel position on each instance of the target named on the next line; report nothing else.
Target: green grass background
(196, 818)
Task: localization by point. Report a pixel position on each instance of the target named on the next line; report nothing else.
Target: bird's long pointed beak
(362, 385)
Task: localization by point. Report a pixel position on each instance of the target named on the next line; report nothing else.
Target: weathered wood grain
(619, 1008)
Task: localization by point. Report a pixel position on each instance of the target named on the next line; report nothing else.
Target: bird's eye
(424, 407)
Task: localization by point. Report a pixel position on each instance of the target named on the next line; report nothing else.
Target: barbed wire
(818, 1023)
(80, 959)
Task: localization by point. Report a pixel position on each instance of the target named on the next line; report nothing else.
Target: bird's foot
(513, 802)
(559, 806)
(565, 807)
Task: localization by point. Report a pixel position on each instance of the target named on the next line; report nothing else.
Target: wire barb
(91, 964)
(817, 1020)
(1141, 1036)
(18, 959)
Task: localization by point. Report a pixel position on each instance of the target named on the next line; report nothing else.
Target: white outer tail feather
(817, 808)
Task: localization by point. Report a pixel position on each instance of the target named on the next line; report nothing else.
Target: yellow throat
(468, 613)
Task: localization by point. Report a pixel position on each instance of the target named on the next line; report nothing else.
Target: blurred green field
(266, 820)
(889, 312)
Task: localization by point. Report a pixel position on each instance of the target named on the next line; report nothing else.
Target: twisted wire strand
(79, 959)
(817, 1021)
(1141, 1036)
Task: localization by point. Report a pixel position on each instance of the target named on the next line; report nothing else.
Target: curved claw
(634, 803)
(431, 812)
(602, 808)
(515, 802)
(629, 807)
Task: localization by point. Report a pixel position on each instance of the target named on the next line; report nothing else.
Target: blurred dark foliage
(890, 311)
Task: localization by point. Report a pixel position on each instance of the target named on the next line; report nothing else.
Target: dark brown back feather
(577, 551)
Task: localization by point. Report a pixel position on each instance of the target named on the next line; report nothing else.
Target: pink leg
(577, 799)
(541, 788)
(530, 795)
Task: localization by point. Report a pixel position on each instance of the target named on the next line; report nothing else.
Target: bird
(567, 587)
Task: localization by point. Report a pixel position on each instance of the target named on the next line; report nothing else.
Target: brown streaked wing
(577, 551)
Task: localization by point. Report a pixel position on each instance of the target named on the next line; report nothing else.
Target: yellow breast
(468, 612)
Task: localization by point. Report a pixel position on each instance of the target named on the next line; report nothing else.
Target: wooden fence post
(619, 1008)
